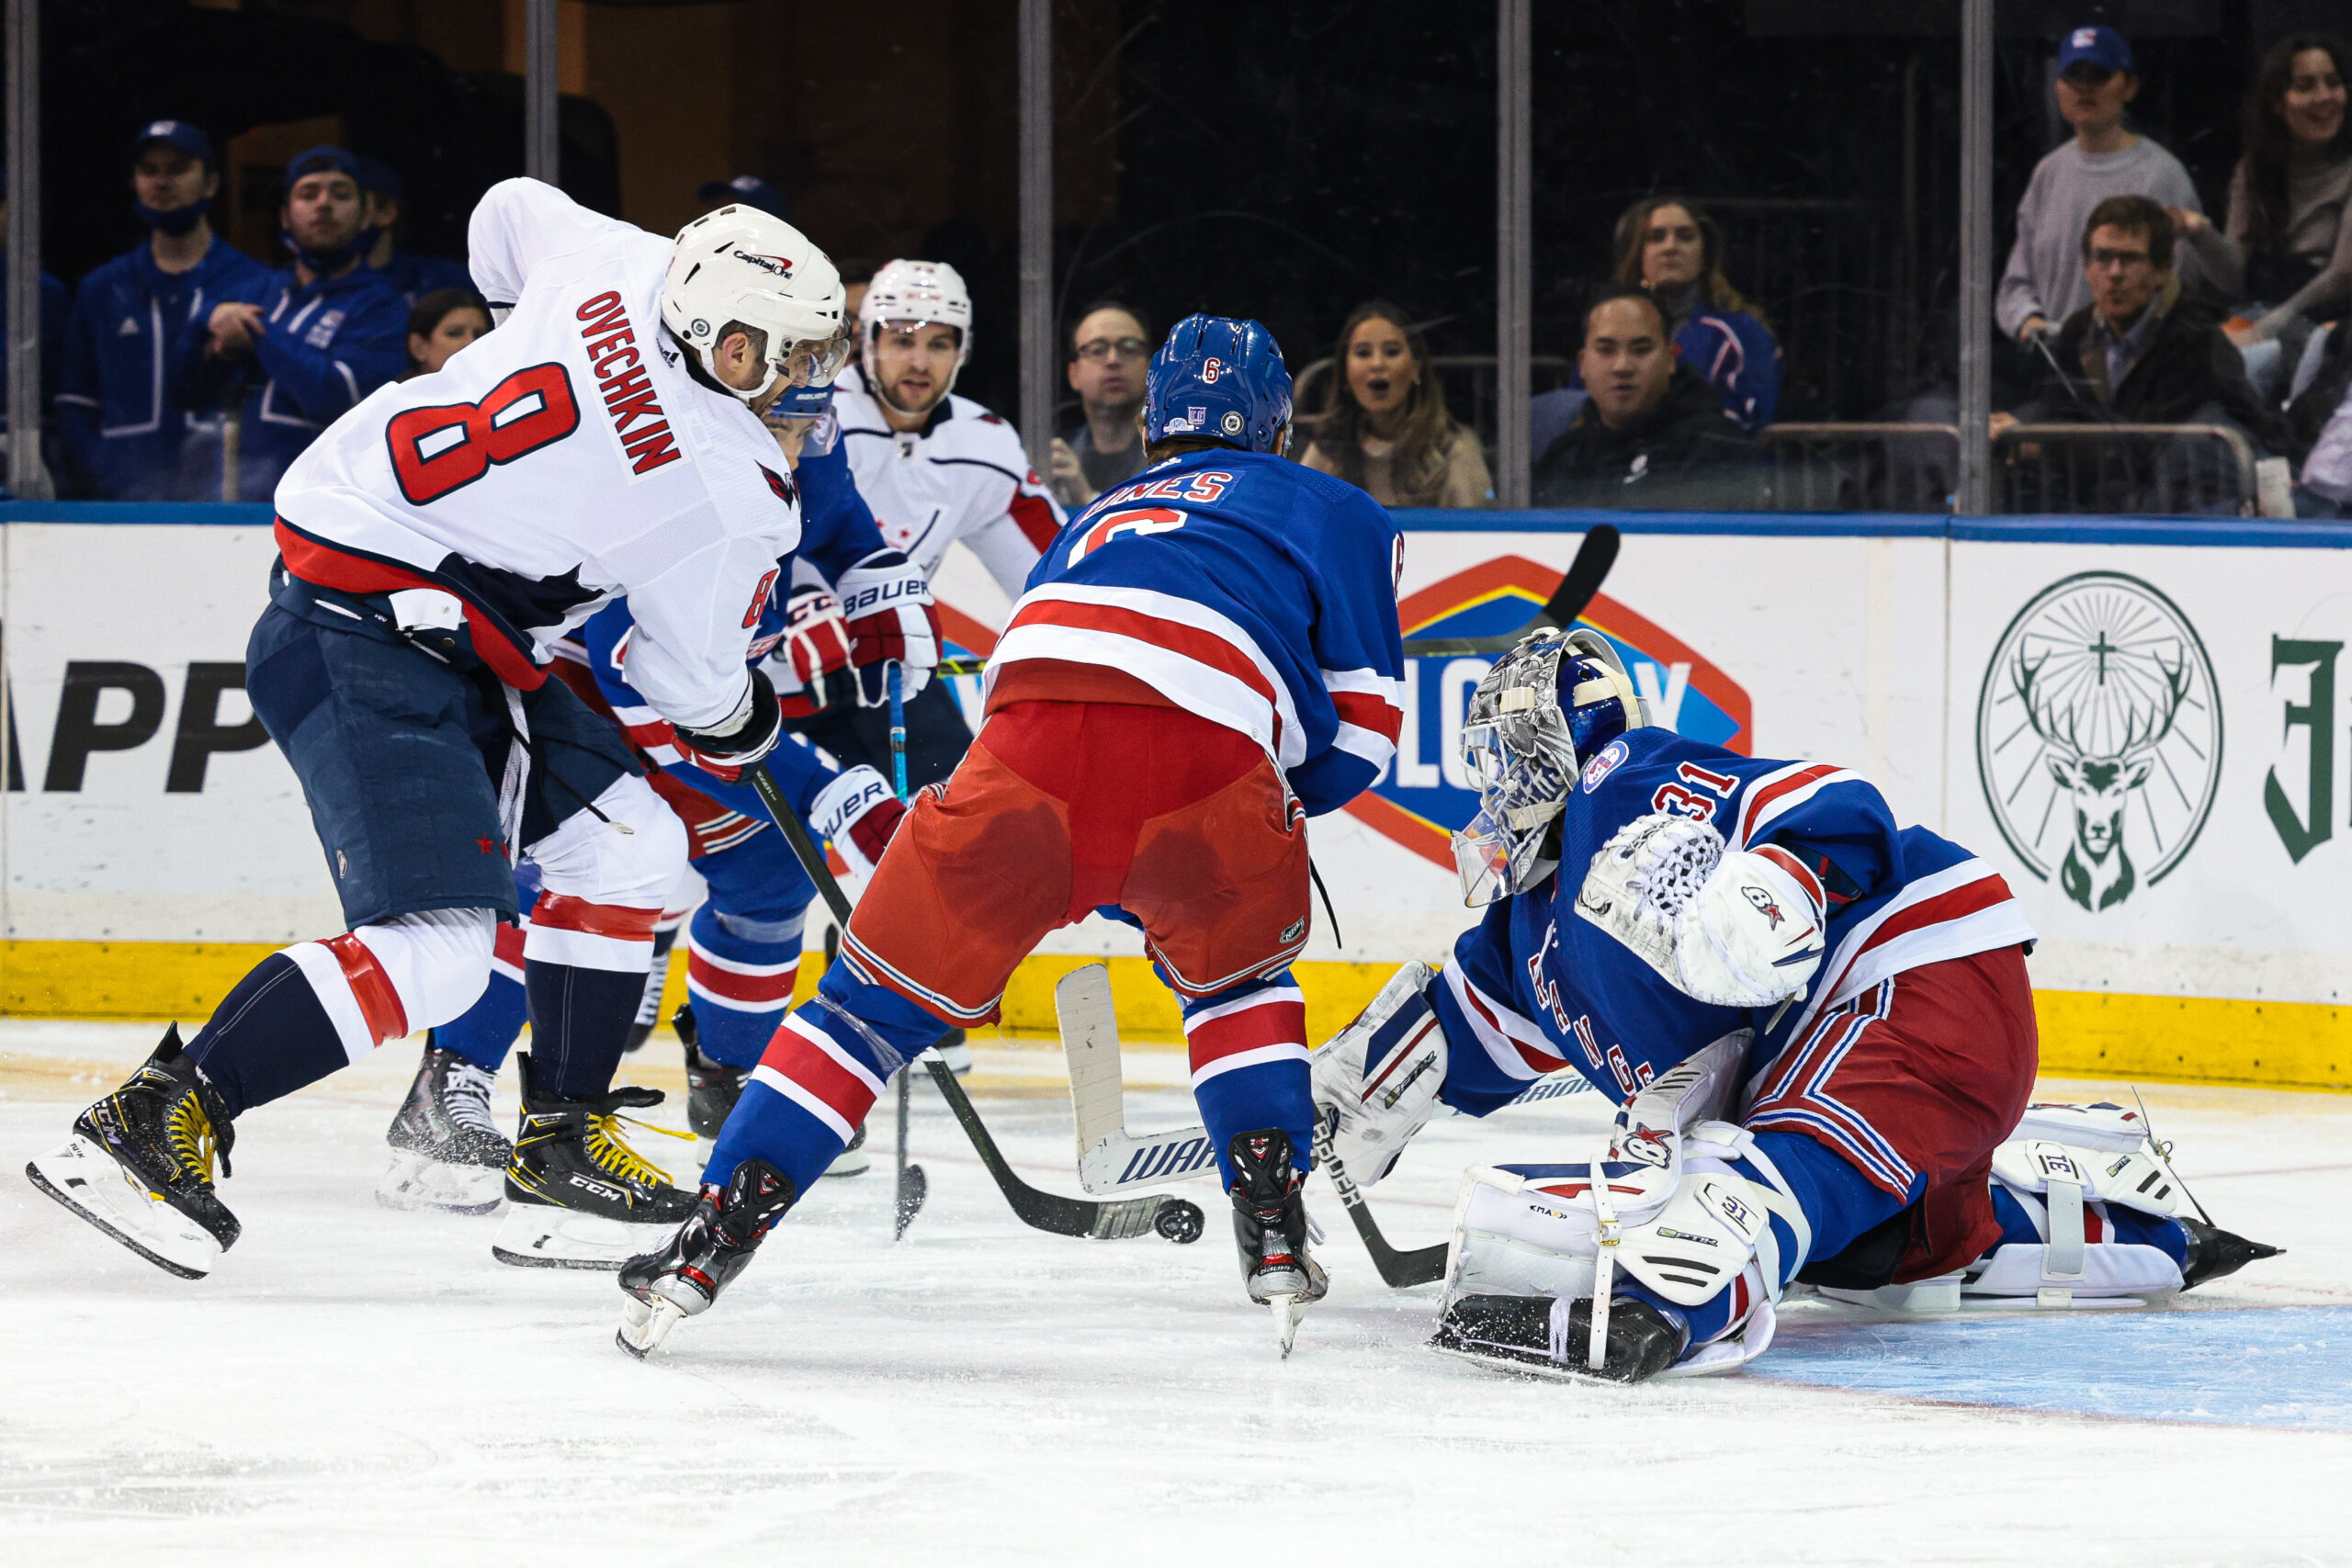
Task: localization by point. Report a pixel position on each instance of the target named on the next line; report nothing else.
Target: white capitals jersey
(564, 459)
(963, 476)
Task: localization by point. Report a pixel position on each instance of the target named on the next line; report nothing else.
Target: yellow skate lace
(605, 1147)
(189, 1132)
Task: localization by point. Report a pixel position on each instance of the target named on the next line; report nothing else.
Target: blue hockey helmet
(1219, 378)
(812, 401)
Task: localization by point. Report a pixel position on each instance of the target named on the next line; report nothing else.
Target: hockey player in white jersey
(938, 470)
(435, 542)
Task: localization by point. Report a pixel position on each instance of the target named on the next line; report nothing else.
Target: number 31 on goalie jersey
(437, 450)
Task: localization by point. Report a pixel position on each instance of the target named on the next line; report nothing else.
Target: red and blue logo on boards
(1425, 793)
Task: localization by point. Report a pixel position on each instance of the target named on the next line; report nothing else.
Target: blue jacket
(122, 354)
(327, 345)
(413, 276)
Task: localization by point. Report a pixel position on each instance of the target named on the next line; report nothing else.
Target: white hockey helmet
(739, 264)
(918, 291)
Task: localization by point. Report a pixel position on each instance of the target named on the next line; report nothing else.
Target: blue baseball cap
(321, 160)
(2102, 47)
(381, 178)
(749, 189)
(186, 135)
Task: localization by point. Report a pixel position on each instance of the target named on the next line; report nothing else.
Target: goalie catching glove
(1737, 927)
(744, 736)
(891, 620)
(1376, 1082)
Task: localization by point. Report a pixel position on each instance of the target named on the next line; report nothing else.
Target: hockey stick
(1399, 1270)
(1110, 1158)
(1585, 576)
(1171, 1217)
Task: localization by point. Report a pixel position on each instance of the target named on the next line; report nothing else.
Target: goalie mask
(1543, 712)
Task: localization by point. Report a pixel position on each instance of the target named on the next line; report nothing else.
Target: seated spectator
(2287, 241)
(1653, 434)
(748, 190)
(1108, 350)
(2097, 81)
(286, 360)
(2142, 352)
(443, 323)
(122, 347)
(1386, 428)
(411, 275)
(55, 304)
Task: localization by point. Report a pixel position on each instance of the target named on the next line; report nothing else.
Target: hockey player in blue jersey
(744, 940)
(1819, 1025)
(1202, 660)
(124, 347)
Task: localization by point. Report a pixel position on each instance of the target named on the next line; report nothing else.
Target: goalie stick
(1399, 1271)
(1173, 1218)
(1110, 1158)
(1584, 577)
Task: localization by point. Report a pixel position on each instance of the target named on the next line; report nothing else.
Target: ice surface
(361, 1386)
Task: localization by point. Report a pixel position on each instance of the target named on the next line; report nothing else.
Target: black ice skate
(578, 1197)
(713, 1088)
(954, 1049)
(2214, 1252)
(1531, 1334)
(447, 1153)
(682, 1279)
(139, 1166)
(1270, 1228)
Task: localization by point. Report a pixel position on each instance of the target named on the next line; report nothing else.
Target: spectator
(2140, 352)
(310, 341)
(1108, 349)
(1653, 432)
(123, 348)
(2044, 280)
(443, 323)
(1384, 426)
(749, 189)
(55, 305)
(2288, 238)
(411, 275)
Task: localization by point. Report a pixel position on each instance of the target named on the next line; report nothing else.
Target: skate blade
(534, 1236)
(850, 1162)
(1287, 1311)
(644, 1324)
(414, 1181)
(86, 1180)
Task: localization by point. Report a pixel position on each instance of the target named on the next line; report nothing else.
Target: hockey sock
(740, 972)
(1248, 1058)
(2125, 1227)
(815, 1083)
(270, 1038)
(583, 968)
(486, 1032)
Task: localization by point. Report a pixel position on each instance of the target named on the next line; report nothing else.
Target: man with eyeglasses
(2142, 352)
(1107, 352)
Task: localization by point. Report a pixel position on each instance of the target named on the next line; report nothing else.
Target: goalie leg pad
(1379, 1076)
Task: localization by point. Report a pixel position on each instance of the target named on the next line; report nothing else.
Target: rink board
(2139, 724)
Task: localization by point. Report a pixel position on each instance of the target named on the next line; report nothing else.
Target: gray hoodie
(2044, 275)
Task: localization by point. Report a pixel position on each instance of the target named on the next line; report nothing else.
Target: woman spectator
(2287, 241)
(1384, 426)
(1668, 245)
(443, 323)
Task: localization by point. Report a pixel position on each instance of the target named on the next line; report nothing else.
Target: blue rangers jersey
(1245, 589)
(1534, 988)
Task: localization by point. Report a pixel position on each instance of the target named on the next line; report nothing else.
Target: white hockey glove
(1376, 1082)
(859, 814)
(1735, 928)
(891, 620)
(815, 644)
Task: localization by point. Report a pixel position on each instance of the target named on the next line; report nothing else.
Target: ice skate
(447, 1153)
(578, 1197)
(682, 1279)
(139, 1166)
(2214, 1253)
(957, 1052)
(1551, 1337)
(712, 1089)
(1270, 1228)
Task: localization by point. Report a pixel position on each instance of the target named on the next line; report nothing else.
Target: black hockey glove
(726, 751)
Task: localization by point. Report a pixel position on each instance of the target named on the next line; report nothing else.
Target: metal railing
(2147, 470)
(1860, 468)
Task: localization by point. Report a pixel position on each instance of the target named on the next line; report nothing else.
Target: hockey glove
(746, 735)
(816, 643)
(858, 813)
(892, 620)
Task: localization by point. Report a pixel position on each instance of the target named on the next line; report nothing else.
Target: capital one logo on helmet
(779, 264)
(2099, 737)
(1427, 792)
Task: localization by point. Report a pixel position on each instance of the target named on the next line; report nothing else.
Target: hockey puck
(1180, 1221)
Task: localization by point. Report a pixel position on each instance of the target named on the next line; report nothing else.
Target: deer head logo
(2098, 738)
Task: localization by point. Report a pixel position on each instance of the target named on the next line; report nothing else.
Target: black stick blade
(1584, 577)
(913, 1188)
